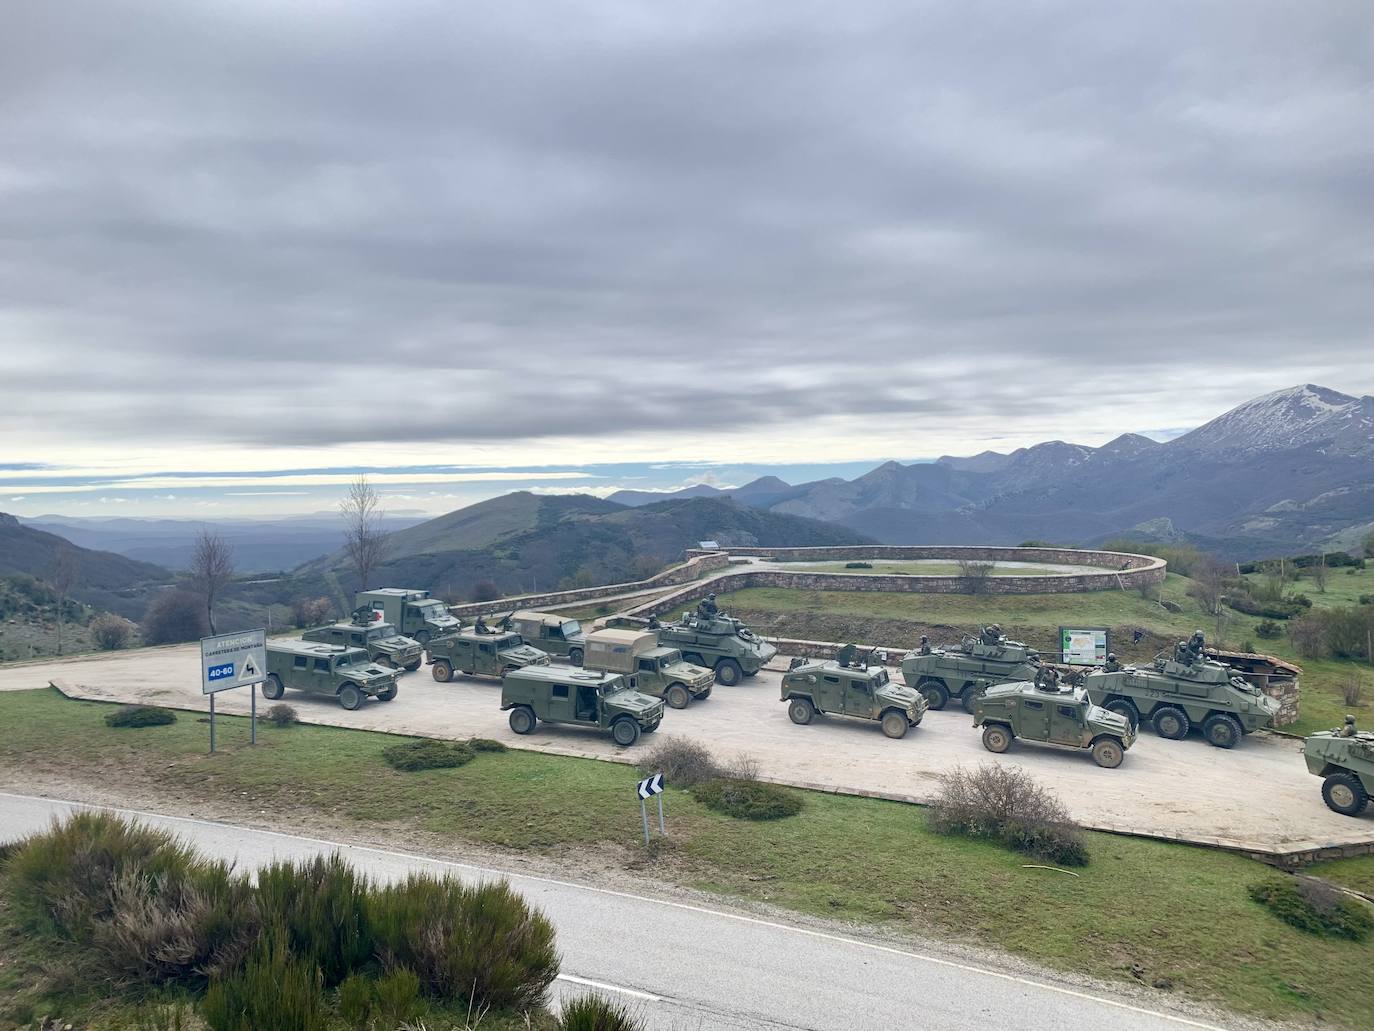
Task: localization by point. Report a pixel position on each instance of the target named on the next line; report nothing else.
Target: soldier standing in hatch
(1111, 666)
(992, 633)
(1047, 679)
(1349, 729)
(707, 608)
(925, 645)
(1197, 644)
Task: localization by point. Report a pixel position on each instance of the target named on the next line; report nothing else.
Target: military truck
(1065, 718)
(651, 667)
(718, 642)
(346, 673)
(554, 634)
(848, 686)
(581, 697)
(1344, 759)
(413, 613)
(480, 654)
(941, 674)
(1183, 691)
(380, 640)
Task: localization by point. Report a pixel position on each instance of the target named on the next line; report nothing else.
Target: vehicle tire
(1125, 707)
(411, 667)
(384, 661)
(387, 695)
(522, 719)
(1171, 723)
(677, 696)
(350, 697)
(651, 728)
(1222, 730)
(271, 687)
(624, 732)
(895, 724)
(442, 671)
(968, 697)
(728, 672)
(575, 656)
(997, 737)
(422, 636)
(704, 695)
(1344, 794)
(937, 695)
(1108, 752)
(696, 660)
(800, 711)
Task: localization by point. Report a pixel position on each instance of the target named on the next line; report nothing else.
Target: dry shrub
(308, 612)
(175, 616)
(1352, 690)
(975, 574)
(683, 763)
(110, 632)
(283, 715)
(1005, 805)
(1315, 906)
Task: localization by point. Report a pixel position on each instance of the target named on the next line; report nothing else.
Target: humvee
(719, 642)
(652, 668)
(846, 686)
(556, 635)
(1066, 718)
(483, 654)
(941, 674)
(582, 697)
(346, 673)
(380, 640)
(1180, 692)
(413, 613)
(1344, 758)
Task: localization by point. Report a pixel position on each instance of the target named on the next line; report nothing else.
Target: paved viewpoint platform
(1257, 797)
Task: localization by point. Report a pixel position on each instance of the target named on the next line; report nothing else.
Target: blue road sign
(220, 672)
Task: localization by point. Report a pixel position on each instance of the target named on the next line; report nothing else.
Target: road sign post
(647, 789)
(233, 660)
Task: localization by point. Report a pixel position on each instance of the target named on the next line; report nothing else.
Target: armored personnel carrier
(1182, 691)
(650, 667)
(381, 641)
(711, 638)
(347, 674)
(944, 673)
(848, 686)
(1344, 759)
(479, 652)
(1065, 718)
(582, 697)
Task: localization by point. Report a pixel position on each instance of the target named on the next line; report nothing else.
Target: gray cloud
(514, 221)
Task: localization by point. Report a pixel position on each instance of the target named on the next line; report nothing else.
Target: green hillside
(103, 579)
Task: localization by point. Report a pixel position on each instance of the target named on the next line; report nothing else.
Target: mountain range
(100, 578)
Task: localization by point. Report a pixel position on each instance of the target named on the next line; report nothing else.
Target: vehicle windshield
(432, 609)
(570, 627)
(880, 678)
(672, 657)
(378, 634)
(343, 660)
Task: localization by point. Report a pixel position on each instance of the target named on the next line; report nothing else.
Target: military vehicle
(556, 635)
(848, 686)
(1344, 758)
(1183, 691)
(582, 697)
(1065, 718)
(413, 613)
(941, 674)
(650, 667)
(710, 638)
(477, 653)
(346, 673)
(380, 640)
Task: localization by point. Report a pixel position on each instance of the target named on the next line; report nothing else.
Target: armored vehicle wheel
(800, 711)
(937, 697)
(411, 667)
(350, 697)
(895, 724)
(677, 696)
(694, 659)
(728, 672)
(1344, 794)
(968, 697)
(705, 694)
(442, 671)
(423, 637)
(1171, 723)
(522, 719)
(575, 656)
(1108, 753)
(387, 695)
(651, 727)
(384, 661)
(996, 737)
(1222, 729)
(625, 732)
(1126, 707)
(271, 687)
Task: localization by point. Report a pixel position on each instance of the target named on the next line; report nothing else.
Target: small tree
(174, 617)
(1210, 578)
(212, 567)
(365, 542)
(311, 611)
(485, 590)
(1319, 573)
(110, 632)
(62, 578)
(1369, 545)
(975, 574)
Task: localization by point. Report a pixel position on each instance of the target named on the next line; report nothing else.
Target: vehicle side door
(648, 678)
(298, 674)
(1066, 723)
(830, 692)
(483, 657)
(463, 658)
(1034, 718)
(358, 639)
(321, 676)
(858, 697)
(561, 702)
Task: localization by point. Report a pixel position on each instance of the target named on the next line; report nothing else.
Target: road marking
(647, 996)
(685, 906)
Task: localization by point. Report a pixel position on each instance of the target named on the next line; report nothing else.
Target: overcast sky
(251, 235)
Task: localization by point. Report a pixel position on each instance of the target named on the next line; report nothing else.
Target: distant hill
(103, 579)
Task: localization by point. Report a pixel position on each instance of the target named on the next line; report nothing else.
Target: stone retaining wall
(889, 552)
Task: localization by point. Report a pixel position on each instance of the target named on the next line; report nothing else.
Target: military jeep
(1065, 718)
(718, 642)
(652, 668)
(480, 654)
(380, 640)
(1344, 758)
(346, 673)
(848, 686)
(413, 613)
(989, 658)
(582, 697)
(556, 635)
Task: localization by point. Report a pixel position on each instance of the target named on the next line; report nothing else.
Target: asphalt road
(686, 967)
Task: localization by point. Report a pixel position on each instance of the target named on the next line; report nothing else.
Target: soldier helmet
(1349, 718)
(1111, 656)
(712, 596)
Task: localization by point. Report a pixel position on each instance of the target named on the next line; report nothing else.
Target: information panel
(233, 660)
(1083, 646)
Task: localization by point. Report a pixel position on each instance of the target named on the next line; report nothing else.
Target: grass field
(1343, 586)
(1141, 911)
(920, 568)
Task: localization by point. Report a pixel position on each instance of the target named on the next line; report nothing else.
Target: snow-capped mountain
(1306, 415)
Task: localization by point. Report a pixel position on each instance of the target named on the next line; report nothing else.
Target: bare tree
(212, 567)
(365, 542)
(975, 574)
(62, 578)
(1319, 573)
(1211, 578)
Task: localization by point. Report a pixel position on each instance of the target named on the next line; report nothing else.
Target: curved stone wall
(1114, 560)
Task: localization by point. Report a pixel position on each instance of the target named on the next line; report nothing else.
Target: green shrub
(1367, 599)
(1268, 629)
(1315, 906)
(386, 1002)
(1005, 805)
(356, 998)
(273, 991)
(140, 716)
(858, 565)
(480, 945)
(282, 715)
(320, 906)
(597, 1013)
(176, 1016)
(485, 744)
(427, 754)
(747, 799)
